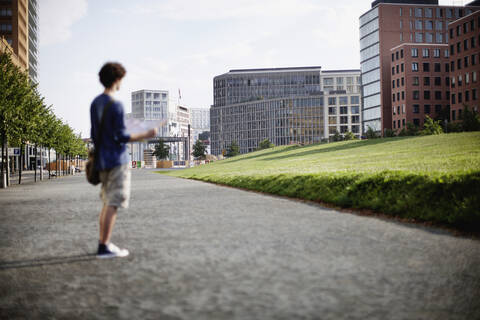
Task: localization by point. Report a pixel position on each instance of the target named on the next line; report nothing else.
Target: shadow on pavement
(46, 261)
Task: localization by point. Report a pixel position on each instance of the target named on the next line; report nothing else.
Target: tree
(470, 119)
(233, 149)
(199, 149)
(431, 126)
(371, 134)
(265, 144)
(161, 150)
(336, 137)
(349, 136)
(204, 136)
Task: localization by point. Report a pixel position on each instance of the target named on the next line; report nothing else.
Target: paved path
(200, 251)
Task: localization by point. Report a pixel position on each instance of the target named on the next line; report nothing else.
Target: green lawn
(434, 178)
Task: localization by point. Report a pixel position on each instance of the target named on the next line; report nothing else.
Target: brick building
(420, 83)
(464, 64)
(388, 24)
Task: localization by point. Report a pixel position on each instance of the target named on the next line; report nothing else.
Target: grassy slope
(434, 178)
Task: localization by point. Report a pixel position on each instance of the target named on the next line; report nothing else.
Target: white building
(200, 118)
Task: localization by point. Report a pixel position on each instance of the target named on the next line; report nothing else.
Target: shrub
(233, 149)
(265, 144)
(389, 133)
(412, 130)
(349, 136)
(431, 127)
(371, 134)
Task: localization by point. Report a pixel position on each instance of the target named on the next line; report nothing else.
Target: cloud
(57, 17)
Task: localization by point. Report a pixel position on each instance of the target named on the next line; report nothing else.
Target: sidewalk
(200, 251)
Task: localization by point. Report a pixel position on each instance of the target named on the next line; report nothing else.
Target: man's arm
(144, 135)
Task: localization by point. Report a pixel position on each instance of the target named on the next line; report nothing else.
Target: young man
(112, 160)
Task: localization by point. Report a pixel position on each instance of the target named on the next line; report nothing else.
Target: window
(438, 25)
(453, 82)
(465, 44)
(460, 100)
(418, 37)
(416, 108)
(467, 96)
(453, 115)
(401, 12)
(446, 53)
(438, 81)
(398, 96)
(436, 53)
(332, 101)
(459, 47)
(354, 100)
(343, 110)
(396, 55)
(438, 108)
(449, 13)
(355, 109)
(418, 12)
(343, 120)
(343, 100)
(438, 95)
(415, 66)
(393, 84)
(452, 49)
(402, 67)
(426, 67)
(418, 24)
(403, 81)
(429, 25)
(401, 53)
(393, 71)
(429, 37)
(426, 109)
(414, 52)
(474, 59)
(425, 53)
(460, 80)
(416, 95)
(458, 31)
(452, 66)
(416, 81)
(472, 42)
(398, 70)
(355, 119)
(393, 97)
(437, 67)
(439, 13)
(426, 95)
(332, 111)
(453, 98)
(428, 12)
(438, 37)
(465, 62)
(467, 78)
(459, 64)
(426, 81)
(474, 76)
(403, 95)
(474, 94)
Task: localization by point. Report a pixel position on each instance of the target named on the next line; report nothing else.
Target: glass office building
(284, 105)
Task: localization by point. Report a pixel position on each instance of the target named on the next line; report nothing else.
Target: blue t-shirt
(113, 148)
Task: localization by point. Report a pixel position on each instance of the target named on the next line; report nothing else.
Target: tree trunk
(21, 164)
(49, 164)
(35, 167)
(4, 178)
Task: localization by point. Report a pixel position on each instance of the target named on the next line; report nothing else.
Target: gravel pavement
(200, 251)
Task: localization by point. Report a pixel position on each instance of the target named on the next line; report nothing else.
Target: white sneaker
(111, 251)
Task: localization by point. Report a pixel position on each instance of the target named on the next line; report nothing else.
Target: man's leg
(107, 221)
(100, 222)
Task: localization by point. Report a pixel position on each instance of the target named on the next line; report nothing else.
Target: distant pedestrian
(110, 137)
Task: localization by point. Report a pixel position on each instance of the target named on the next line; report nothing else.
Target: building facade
(464, 64)
(389, 24)
(284, 105)
(14, 27)
(420, 83)
(33, 39)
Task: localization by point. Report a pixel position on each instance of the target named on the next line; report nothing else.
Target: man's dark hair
(111, 72)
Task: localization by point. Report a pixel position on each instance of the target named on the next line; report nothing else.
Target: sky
(181, 45)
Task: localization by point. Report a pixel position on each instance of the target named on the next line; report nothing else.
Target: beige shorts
(116, 186)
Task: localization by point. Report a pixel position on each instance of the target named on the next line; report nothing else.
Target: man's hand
(151, 133)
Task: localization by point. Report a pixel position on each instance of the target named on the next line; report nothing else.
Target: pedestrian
(110, 137)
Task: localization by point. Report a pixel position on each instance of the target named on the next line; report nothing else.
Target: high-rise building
(14, 27)
(420, 83)
(151, 105)
(464, 64)
(33, 39)
(200, 118)
(388, 24)
(284, 105)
